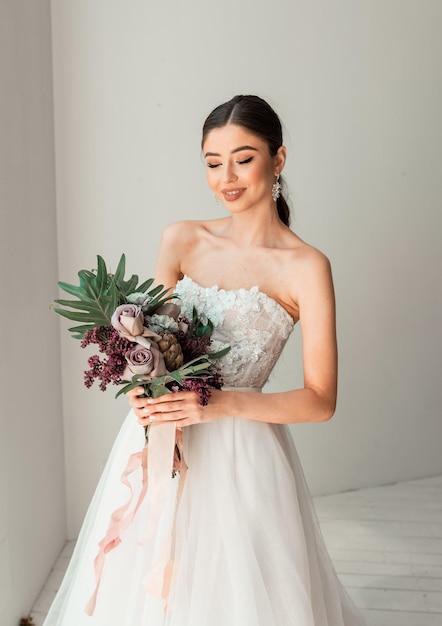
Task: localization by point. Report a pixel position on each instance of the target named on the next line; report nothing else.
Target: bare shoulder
(177, 232)
(307, 272)
(305, 259)
(311, 260)
(182, 245)
(188, 232)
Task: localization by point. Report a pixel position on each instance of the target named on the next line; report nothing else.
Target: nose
(229, 174)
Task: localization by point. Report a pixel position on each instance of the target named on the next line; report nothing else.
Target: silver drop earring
(216, 197)
(276, 189)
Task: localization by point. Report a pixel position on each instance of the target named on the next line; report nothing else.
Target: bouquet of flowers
(142, 335)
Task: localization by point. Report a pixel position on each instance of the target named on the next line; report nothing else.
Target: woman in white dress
(247, 549)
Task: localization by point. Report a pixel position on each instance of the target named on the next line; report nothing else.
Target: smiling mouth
(232, 194)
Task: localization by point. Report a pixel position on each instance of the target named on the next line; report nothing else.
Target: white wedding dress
(247, 546)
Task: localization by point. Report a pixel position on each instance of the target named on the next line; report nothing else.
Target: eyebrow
(207, 154)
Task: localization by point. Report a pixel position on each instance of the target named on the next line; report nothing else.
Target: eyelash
(213, 165)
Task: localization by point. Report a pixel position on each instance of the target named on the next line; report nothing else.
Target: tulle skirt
(247, 549)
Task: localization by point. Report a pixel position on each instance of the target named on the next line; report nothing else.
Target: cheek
(261, 174)
(262, 180)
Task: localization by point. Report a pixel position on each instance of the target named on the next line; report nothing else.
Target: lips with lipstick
(232, 194)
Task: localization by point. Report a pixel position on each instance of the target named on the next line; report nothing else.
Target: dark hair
(257, 116)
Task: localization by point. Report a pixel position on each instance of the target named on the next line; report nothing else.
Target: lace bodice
(255, 326)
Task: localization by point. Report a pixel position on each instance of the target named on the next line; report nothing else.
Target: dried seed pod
(170, 348)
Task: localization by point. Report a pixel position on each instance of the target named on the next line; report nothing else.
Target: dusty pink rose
(145, 359)
(140, 360)
(128, 319)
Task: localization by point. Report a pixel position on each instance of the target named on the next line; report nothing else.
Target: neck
(248, 230)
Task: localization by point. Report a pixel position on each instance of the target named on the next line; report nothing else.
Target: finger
(182, 412)
(144, 421)
(133, 393)
(177, 396)
(148, 421)
(137, 402)
(168, 411)
(140, 408)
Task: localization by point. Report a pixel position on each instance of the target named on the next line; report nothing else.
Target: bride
(247, 549)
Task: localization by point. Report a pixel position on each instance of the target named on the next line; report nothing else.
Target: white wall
(358, 86)
(32, 507)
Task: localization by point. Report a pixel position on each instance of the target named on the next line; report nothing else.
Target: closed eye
(213, 165)
(245, 161)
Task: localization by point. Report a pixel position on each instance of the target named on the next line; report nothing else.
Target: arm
(315, 402)
(167, 270)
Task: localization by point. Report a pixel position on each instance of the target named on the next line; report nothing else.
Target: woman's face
(240, 169)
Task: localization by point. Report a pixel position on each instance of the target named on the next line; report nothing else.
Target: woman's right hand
(138, 402)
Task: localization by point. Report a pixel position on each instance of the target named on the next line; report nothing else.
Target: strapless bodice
(255, 326)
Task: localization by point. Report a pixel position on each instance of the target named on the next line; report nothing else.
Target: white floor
(386, 544)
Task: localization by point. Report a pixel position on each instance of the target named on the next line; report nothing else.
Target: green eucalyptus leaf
(76, 316)
(114, 300)
(158, 390)
(174, 377)
(145, 286)
(156, 290)
(219, 354)
(197, 359)
(156, 303)
(121, 270)
(79, 304)
(101, 278)
(126, 287)
(193, 370)
(72, 289)
(204, 331)
(126, 388)
(87, 283)
(81, 330)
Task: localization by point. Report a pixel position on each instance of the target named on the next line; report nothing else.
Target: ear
(279, 160)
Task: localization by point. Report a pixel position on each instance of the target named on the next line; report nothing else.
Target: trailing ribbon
(119, 521)
(157, 460)
(158, 580)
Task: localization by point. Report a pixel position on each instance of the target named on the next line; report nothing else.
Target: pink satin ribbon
(157, 581)
(156, 462)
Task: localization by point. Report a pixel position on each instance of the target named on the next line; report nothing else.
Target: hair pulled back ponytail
(257, 116)
(282, 206)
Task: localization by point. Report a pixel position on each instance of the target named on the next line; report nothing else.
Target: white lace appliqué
(254, 325)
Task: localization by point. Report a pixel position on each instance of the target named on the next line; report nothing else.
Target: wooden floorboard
(386, 545)
(400, 618)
